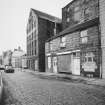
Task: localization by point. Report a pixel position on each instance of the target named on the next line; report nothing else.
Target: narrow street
(24, 88)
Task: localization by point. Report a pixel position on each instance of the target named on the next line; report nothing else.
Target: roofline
(70, 3)
(57, 19)
(77, 27)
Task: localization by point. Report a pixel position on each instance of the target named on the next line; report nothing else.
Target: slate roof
(47, 16)
(77, 27)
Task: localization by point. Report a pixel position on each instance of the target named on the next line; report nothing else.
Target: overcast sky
(13, 19)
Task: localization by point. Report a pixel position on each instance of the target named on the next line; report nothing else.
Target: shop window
(84, 36)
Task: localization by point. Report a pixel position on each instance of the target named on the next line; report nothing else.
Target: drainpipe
(100, 51)
(99, 32)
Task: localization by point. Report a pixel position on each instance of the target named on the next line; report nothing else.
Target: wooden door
(76, 66)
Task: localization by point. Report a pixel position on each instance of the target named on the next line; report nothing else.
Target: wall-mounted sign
(89, 65)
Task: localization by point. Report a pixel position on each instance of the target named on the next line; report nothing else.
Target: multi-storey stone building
(16, 58)
(40, 27)
(102, 28)
(77, 49)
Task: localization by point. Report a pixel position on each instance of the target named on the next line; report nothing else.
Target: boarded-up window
(64, 63)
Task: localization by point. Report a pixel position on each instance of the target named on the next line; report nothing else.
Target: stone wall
(79, 11)
(102, 25)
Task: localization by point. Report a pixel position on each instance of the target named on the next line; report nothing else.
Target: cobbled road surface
(24, 88)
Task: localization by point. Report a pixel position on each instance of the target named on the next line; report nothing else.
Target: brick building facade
(77, 49)
(40, 27)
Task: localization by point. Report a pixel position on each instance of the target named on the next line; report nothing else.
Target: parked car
(2, 67)
(9, 69)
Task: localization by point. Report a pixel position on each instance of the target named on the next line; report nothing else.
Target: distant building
(17, 58)
(7, 57)
(24, 61)
(40, 27)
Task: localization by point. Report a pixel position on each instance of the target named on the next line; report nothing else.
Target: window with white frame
(63, 42)
(84, 36)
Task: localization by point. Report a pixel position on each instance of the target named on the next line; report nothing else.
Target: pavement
(69, 77)
(1, 86)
